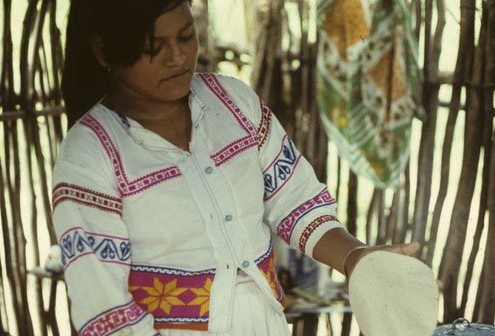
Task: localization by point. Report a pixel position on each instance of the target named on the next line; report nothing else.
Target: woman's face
(164, 75)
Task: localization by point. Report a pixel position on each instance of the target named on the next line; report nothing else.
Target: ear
(96, 43)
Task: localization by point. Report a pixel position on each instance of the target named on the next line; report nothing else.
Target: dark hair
(123, 26)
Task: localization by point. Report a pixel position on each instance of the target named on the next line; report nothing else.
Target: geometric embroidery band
(113, 320)
(281, 169)
(126, 187)
(70, 192)
(287, 225)
(242, 144)
(76, 243)
(312, 228)
(176, 298)
(180, 299)
(266, 264)
(265, 124)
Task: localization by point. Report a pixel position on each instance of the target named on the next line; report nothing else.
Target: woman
(168, 184)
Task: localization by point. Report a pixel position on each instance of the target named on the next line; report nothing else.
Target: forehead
(173, 21)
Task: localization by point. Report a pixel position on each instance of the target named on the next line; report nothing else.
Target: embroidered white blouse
(153, 236)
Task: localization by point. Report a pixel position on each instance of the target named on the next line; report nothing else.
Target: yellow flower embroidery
(270, 276)
(202, 297)
(163, 295)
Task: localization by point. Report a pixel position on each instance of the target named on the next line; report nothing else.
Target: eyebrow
(189, 24)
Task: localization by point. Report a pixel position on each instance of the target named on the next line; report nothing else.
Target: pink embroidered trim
(127, 188)
(181, 297)
(113, 320)
(265, 125)
(69, 192)
(215, 86)
(240, 145)
(286, 226)
(308, 231)
(233, 149)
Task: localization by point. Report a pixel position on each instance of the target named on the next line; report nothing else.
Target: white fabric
(252, 316)
(392, 294)
(136, 215)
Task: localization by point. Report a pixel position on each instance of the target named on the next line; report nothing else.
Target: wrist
(351, 259)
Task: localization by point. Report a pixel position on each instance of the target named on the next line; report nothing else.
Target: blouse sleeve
(96, 253)
(298, 207)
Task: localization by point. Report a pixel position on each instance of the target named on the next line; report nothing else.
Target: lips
(177, 74)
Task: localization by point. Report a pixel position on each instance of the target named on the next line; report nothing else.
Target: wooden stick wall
(31, 129)
(415, 210)
(32, 125)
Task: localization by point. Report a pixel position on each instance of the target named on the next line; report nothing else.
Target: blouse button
(208, 170)
(245, 264)
(229, 218)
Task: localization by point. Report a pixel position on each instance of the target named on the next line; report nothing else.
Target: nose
(175, 56)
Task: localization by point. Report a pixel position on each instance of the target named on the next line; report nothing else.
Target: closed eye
(187, 37)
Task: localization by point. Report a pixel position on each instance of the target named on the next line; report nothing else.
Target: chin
(173, 96)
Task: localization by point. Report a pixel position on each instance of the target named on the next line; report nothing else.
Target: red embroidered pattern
(308, 231)
(286, 226)
(113, 320)
(240, 145)
(180, 299)
(127, 188)
(266, 263)
(265, 125)
(69, 192)
(173, 296)
(233, 149)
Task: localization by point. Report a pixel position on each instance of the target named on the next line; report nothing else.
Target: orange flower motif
(202, 297)
(271, 277)
(163, 296)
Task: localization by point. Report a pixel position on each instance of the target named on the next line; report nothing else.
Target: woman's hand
(342, 251)
(355, 255)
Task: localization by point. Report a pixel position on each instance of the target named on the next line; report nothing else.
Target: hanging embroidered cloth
(368, 84)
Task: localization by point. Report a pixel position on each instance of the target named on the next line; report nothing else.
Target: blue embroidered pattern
(265, 255)
(170, 271)
(76, 243)
(281, 169)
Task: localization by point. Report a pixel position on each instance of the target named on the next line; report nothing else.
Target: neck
(141, 110)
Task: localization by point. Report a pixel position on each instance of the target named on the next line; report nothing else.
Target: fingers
(412, 248)
(405, 249)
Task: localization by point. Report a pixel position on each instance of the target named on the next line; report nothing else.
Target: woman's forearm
(334, 246)
(340, 250)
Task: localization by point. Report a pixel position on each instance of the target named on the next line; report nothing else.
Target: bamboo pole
(453, 251)
(351, 225)
(487, 130)
(10, 186)
(372, 209)
(462, 68)
(487, 295)
(487, 306)
(406, 204)
(430, 101)
(393, 218)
